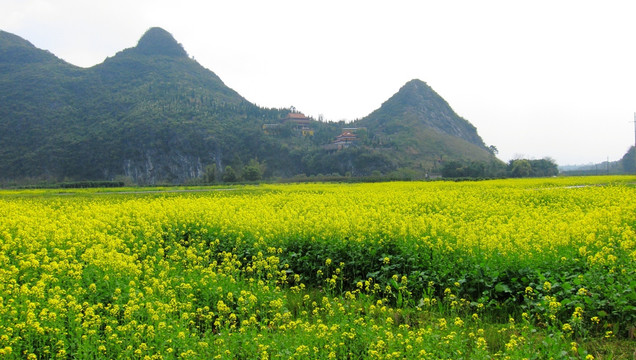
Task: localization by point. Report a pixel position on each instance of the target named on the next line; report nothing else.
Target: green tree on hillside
(253, 171)
(210, 174)
(229, 175)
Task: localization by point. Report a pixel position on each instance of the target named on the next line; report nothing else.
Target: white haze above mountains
(537, 79)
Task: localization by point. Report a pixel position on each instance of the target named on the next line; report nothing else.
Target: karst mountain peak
(157, 41)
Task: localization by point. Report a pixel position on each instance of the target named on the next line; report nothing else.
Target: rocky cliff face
(158, 167)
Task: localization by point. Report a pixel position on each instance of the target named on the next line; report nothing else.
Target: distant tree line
(517, 168)
(36, 184)
(253, 171)
(91, 184)
(351, 166)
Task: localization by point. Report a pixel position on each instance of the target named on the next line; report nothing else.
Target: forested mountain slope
(153, 114)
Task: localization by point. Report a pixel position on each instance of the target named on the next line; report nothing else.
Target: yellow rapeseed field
(386, 270)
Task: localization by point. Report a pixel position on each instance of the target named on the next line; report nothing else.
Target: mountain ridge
(152, 114)
(16, 50)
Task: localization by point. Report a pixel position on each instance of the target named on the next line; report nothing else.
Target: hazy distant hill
(626, 165)
(152, 114)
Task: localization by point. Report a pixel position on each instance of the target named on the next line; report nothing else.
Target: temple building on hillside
(297, 118)
(301, 123)
(345, 140)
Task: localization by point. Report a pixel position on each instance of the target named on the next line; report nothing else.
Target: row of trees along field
(253, 171)
(517, 168)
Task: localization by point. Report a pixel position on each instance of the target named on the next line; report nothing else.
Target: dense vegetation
(475, 270)
(518, 168)
(151, 114)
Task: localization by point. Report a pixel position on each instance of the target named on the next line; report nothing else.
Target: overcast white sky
(537, 78)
